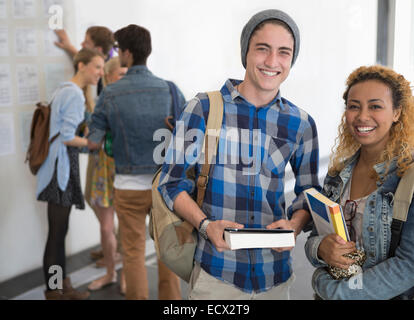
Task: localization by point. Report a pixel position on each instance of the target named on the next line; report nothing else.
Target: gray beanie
(263, 16)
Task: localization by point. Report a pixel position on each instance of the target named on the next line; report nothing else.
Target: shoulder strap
(210, 143)
(403, 195)
(402, 202)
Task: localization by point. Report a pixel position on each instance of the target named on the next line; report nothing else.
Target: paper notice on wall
(7, 143)
(5, 86)
(55, 75)
(26, 123)
(3, 9)
(4, 41)
(51, 50)
(26, 42)
(27, 84)
(24, 9)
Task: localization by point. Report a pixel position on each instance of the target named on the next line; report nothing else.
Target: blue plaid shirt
(246, 183)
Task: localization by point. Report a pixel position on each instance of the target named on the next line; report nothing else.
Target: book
(326, 214)
(249, 238)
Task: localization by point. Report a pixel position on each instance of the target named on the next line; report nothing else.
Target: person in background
(100, 195)
(373, 150)
(98, 38)
(58, 179)
(272, 132)
(133, 108)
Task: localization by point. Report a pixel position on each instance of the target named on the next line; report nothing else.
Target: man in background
(133, 108)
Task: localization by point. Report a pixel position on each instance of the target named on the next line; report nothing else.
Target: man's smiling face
(269, 58)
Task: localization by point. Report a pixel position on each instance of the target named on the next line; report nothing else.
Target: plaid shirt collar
(231, 95)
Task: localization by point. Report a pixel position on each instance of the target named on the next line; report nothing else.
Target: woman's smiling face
(370, 113)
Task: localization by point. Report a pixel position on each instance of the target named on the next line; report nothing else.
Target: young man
(133, 108)
(96, 37)
(246, 184)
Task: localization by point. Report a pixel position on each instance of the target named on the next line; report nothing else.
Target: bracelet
(203, 228)
(201, 222)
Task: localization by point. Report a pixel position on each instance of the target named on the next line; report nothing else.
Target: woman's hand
(332, 248)
(77, 142)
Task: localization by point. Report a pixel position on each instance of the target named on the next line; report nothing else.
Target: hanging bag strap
(171, 119)
(210, 143)
(174, 96)
(402, 202)
(50, 106)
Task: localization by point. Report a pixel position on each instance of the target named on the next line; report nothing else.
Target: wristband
(203, 228)
(201, 222)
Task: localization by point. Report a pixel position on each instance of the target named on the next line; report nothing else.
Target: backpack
(39, 137)
(402, 201)
(175, 239)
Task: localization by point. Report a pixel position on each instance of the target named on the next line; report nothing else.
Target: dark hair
(102, 37)
(137, 40)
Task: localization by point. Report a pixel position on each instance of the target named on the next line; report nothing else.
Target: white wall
(403, 39)
(196, 44)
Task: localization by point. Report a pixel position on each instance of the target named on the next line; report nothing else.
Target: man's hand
(64, 42)
(285, 225)
(215, 233)
(299, 219)
(332, 248)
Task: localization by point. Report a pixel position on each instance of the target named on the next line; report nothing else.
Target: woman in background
(99, 194)
(58, 179)
(373, 151)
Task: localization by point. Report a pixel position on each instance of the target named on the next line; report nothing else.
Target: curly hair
(401, 141)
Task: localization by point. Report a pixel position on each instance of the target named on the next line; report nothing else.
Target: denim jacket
(133, 108)
(382, 277)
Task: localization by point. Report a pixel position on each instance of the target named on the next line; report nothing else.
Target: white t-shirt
(133, 182)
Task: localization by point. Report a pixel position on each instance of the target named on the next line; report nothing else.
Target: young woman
(373, 150)
(58, 178)
(100, 193)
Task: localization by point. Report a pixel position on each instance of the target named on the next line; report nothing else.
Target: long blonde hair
(401, 141)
